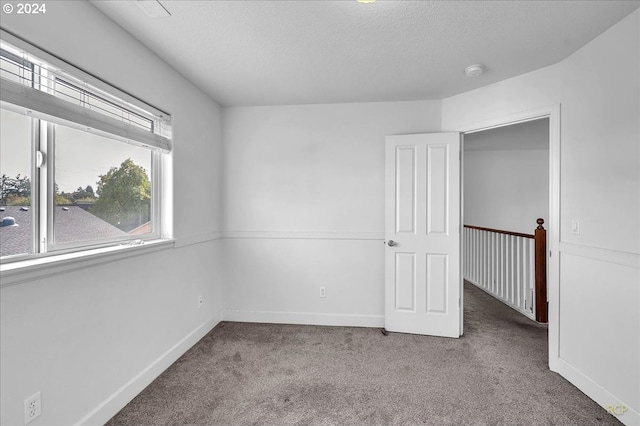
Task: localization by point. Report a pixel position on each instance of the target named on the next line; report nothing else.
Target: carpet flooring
(272, 374)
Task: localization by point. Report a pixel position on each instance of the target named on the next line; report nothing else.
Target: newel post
(541, 271)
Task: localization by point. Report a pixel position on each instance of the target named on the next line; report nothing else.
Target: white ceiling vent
(153, 8)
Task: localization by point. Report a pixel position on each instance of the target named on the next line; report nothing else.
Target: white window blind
(35, 83)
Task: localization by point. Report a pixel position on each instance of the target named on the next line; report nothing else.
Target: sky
(80, 157)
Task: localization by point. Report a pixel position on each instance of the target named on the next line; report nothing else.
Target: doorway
(552, 113)
(506, 197)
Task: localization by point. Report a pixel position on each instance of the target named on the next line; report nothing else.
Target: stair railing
(511, 266)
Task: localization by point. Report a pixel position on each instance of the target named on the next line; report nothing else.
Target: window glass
(103, 188)
(16, 214)
(86, 182)
(16, 69)
(79, 96)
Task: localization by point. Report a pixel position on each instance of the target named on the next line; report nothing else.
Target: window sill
(33, 269)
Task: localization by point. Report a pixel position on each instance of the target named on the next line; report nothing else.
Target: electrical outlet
(32, 408)
(200, 301)
(323, 292)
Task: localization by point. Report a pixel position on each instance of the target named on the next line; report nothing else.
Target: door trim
(552, 112)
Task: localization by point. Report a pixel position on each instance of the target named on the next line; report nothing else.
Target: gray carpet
(266, 374)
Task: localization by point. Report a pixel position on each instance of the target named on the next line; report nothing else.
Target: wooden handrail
(499, 231)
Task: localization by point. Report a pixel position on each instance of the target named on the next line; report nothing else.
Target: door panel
(437, 283)
(437, 189)
(406, 282)
(422, 217)
(406, 190)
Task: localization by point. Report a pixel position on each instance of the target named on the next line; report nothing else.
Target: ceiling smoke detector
(153, 8)
(474, 70)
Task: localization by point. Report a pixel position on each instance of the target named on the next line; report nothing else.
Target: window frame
(78, 73)
(42, 176)
(48, 170)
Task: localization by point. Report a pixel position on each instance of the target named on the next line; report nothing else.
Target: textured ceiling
(300, 52)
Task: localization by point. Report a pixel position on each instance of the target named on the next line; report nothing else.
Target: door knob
(392, 243)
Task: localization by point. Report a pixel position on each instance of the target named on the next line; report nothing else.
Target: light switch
(575, 226)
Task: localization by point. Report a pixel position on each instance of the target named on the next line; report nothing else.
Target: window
(80, 161)
(16, 187)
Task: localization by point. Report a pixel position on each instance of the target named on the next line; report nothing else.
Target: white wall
(600, 140)
(506, 190)
(600, 268)
(304, 193)
(506, 177)
(91, 338)
(523, 93)
(598, 296)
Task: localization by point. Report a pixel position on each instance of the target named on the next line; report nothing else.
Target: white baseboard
(305, 318)
(114, 403)
(599, 394)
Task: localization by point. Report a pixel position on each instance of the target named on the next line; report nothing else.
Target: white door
(422, 234)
